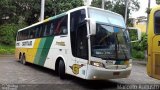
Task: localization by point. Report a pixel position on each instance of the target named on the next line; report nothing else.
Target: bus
(86, 42)
(153, 63)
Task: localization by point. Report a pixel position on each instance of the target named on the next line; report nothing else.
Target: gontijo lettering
(27, 43)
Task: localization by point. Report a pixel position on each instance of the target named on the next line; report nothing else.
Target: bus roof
(72, 10)
(155, 8)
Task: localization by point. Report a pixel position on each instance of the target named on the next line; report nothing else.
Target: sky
(143, 6)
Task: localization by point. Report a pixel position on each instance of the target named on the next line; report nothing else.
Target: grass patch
(7, 49)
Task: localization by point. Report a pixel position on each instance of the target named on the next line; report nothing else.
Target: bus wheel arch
(60, 67)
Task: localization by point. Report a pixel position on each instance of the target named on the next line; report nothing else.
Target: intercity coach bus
(153, 64)
(85, 42)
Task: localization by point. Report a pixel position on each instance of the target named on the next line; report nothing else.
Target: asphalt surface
(15, 76)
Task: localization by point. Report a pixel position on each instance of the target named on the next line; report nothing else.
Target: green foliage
(141, 45)
(7, 49)
(98, 3)
(8, 33)
(138, 48)
(14, 11)
(133, 35)
(7, 9)
(158, 2)
(137, 54)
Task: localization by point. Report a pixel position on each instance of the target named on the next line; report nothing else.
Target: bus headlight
(97, 64)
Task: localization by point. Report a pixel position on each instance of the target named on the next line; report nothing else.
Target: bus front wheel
(61, 69)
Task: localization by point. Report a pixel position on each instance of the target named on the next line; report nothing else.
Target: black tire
(61, 69)
(23, 59)
(19, 60)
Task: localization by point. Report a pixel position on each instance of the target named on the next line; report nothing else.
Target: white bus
(85, 42)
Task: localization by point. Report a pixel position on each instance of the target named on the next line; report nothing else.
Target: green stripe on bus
(45, 50)
(57, 16)
(39, 51)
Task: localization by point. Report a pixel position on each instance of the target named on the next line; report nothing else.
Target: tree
(7, 10)
(98, 3)
(157, 1)
(31, 8)
(15, 11)
(8, 33)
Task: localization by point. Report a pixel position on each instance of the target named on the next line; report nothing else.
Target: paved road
(15, 76)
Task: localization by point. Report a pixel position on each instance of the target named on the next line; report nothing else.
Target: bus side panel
(32, 51)
(42, 50)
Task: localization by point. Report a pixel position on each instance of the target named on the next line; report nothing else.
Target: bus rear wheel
(61, 69)
(23, 59)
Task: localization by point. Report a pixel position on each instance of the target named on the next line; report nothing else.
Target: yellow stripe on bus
(32, 51)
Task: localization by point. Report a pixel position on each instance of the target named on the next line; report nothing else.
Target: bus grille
(157, 64)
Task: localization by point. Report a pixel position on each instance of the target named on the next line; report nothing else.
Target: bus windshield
(110, 43)
(106, 17)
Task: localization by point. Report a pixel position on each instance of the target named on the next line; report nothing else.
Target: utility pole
(103, 1)
(42, 10)
(149, 1)
(126, 4)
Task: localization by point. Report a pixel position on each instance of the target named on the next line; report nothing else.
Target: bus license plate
(116, 73)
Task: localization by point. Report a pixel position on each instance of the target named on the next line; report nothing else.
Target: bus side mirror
(92, 25)
(134, 34)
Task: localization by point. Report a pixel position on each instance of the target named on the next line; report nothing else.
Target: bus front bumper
(98, 73)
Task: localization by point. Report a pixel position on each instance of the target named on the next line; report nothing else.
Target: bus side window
(61, 25)
(42, 30)
(51, 28)
(46, 29)
(36, 32)
(157, 22)
(25, 34)
(19, 35)
(32, 33)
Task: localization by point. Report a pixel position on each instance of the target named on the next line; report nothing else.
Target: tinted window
(79, 42)
(61, 26)
(57, 26)
(51, 28)
(157, 22)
